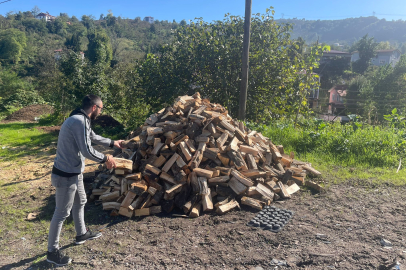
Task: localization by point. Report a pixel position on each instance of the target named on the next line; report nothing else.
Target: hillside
(348, 30)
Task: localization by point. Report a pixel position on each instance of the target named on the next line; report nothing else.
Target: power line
(5, 1)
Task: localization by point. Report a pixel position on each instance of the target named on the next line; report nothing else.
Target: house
(149, 19)
(331, 55)
(46, 16)
(382, 58)
(337, 95)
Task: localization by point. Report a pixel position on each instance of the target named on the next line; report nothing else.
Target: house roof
(382, 51)
(59, 50)
(334, 51)
(45, 14)
(340, 89)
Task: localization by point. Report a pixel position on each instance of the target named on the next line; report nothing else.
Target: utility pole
(245, 61)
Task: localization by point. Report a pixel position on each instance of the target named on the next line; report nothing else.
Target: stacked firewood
(195, 157)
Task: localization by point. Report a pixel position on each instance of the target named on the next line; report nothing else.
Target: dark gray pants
(70, 195)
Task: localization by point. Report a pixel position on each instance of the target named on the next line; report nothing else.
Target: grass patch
(354, 152)
(21, 139)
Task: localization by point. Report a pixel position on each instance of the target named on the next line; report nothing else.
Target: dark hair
(89, 101)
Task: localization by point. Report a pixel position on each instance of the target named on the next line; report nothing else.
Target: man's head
(92, 105)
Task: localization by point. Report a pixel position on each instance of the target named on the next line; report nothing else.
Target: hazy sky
(215, 10)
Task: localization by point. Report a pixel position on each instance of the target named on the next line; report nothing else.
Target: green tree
(206, 57)
(12, 44)
(99, 49)
(366, 48)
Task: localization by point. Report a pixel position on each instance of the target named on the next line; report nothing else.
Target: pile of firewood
(195, 157)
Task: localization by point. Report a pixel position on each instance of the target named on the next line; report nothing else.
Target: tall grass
(352, 144)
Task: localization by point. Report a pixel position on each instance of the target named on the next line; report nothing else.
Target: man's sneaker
(58, 258)
(87, 236)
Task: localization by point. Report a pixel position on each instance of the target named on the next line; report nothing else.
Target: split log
(251, 202)
(222, 209)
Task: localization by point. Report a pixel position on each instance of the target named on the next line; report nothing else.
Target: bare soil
(28, 114)
(338, 229)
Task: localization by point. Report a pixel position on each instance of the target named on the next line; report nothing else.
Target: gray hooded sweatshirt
(74, 145)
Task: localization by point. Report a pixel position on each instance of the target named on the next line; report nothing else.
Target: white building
(382, 57)
(149, 19)
(45, 16)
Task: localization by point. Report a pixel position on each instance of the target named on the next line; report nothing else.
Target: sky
(211, 10)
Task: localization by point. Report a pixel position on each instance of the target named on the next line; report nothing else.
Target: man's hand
(118, 144)
(110, 163)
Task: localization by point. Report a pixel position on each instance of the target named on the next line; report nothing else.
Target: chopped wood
(142, 212)
(312, 185)
(110, 196)
(170, 162)
(292, 189)
(195, 212)
(311, 170)
(251, 202)
(241, 178)
(222, 209)
(237, 186)
(124, 164)
(192, 153)
(111, 205)
(250, 150)
(284, 194)
(203, 172)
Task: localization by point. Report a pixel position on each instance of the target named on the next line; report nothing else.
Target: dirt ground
(341, 228)
(28, 114)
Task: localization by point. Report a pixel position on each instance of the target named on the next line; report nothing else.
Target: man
(74, 145)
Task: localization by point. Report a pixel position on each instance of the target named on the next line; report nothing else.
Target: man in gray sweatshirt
(74, 145)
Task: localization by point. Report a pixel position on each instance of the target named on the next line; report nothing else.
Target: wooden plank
(111, 205)
(165, 176)
(292, 189)
(227, 126)
(170, 162)
(222, 209)
(142, 212)
(124, 164)
(253, 173)
(203, 187)
(284, 194)
(190, 145)
(154, 130)
(251, 202)
(219, 179)
(311, 170)
(203, 172)
(252, 165)
(157, 148)
(185, 151)
(251, 191)
(264, 191)
(109, 196)
(152, 169)
(159, 161)
(236, 186)
(170, 193)
(275, 152)
(195, 212)
(221, 140)
(238, 160)
(128, 199)
(207, 202)
(241, 178)
(124, 211)
(134, 176)
(250, 150)
(313, 185)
